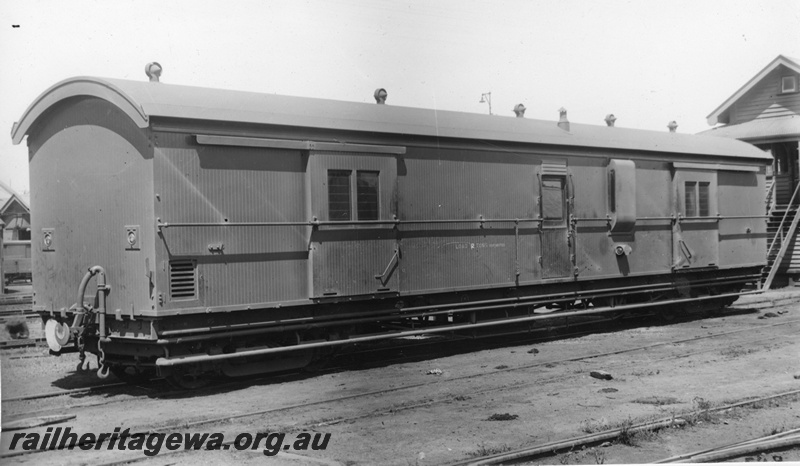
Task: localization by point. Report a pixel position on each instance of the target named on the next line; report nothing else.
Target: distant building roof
(764, 128)
(791, 63)
(7, 194)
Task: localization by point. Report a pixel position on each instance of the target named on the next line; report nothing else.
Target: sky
(647, 62)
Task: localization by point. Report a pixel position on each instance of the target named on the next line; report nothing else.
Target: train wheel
(132, 374)
(188, 380)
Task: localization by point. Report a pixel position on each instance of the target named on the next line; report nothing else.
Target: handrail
(784, 241)
(770, 191)
(161, 225)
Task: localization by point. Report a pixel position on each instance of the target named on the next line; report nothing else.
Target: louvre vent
(182, 280)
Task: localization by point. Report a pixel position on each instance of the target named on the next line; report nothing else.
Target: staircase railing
(784, 241)
(770, 200)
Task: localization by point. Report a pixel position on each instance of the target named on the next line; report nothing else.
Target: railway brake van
(182, 231)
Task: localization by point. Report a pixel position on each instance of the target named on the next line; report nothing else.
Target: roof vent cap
(673, 126)
(563, 123)
(610, 119)
(519, 111)
(380, 96)
(153, 71)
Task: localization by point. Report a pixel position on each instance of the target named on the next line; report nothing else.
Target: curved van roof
(143, 101)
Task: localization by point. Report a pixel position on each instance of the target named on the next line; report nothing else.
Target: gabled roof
(144, 101)
(7, 199)
(791, 63)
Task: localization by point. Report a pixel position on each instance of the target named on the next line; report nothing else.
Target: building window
(697, 199)
(340, 195)
(789, 84)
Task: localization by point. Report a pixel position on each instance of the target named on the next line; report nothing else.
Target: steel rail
(74, 391)
(186, 425)
(538, 450)
(693, 456)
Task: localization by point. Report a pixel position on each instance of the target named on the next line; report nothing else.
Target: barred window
(691, 198)
(339, 195)
(553, 200)
(703, 199)
(367, 195)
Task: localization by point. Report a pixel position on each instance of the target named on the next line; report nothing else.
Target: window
(553, 200)
(339, 195)
(691, 199)
(789, 84)
(340, 199)
(703, 199)
(367, 195)
(697, 199)
(612, 191)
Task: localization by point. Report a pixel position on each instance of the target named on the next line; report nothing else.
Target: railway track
(368, 356)
(23, 343)
(550, 449)
(451, 381)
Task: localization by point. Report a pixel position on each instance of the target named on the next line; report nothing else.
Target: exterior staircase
(782, 227)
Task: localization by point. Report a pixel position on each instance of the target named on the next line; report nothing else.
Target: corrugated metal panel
(91, 175)
(449, 184)
(227, 186)
(453, 185)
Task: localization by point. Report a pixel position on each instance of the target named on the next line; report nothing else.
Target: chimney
(153, 71)
(519, 111)
(672, 126)
(380, 96)
(610, 119)
(563, 123)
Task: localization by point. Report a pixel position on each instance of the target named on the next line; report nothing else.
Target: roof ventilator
(380, 96)
(153, 71)
(563, 123)
(672, 126)
(519, 111)
(610, 119)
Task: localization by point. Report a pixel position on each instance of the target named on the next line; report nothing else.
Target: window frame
(699, 189)
(560, 222)
(788, 89)
(354, 195)
(349, 175)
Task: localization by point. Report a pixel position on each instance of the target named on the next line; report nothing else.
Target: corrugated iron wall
(232, 185)
(465, 185)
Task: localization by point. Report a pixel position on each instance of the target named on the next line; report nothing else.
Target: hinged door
(354, 248)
